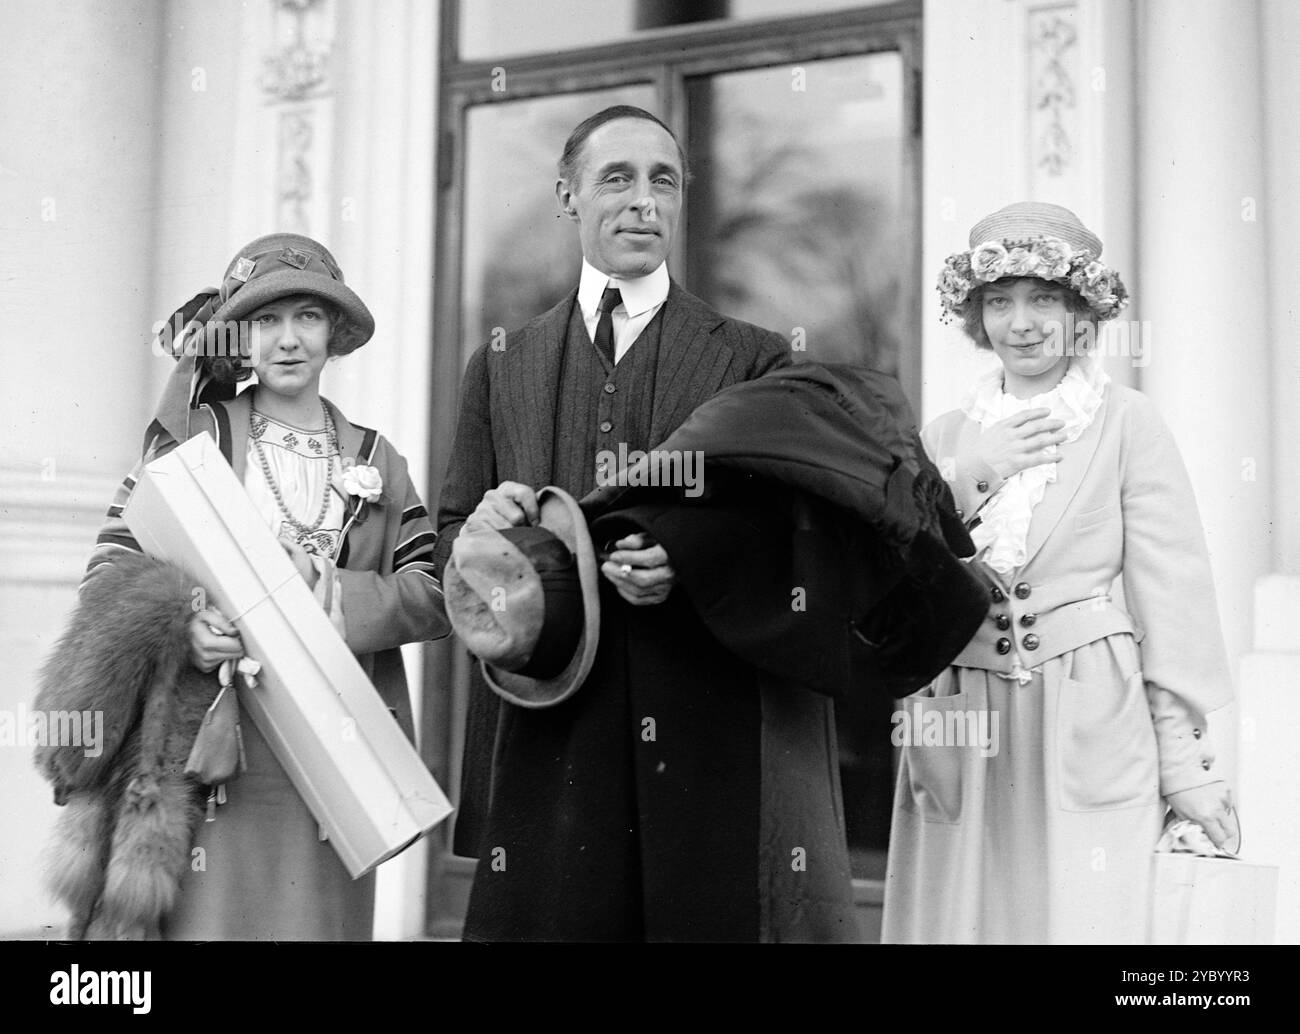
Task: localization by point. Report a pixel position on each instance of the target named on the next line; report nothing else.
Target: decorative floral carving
(1051, 38)
(295, 76)
(299, 66)
(294, 187)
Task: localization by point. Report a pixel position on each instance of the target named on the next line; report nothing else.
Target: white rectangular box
(327, 725)
(1202, 900)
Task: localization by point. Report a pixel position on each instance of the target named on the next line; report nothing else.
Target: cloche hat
(284, 264)
(275, 266)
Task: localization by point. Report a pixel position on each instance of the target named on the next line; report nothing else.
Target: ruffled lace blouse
(300, 462)
(1001, 536)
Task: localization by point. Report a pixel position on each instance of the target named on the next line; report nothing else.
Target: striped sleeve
(405, 604)
(415, 541)
(114, 536)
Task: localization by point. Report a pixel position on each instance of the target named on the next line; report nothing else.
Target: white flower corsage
(359, 480)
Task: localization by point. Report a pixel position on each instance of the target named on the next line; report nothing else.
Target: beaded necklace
(331, 451)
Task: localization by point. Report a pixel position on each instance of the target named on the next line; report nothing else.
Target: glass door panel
(519, 256)
(492, 30)
(796, 210)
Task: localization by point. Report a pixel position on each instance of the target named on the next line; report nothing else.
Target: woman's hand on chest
(1020, 441)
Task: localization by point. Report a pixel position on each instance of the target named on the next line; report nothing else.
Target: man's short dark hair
(568, 164)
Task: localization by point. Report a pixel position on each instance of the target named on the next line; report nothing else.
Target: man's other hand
(640, 573)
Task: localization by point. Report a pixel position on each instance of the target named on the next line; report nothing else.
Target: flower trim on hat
(1046, 258)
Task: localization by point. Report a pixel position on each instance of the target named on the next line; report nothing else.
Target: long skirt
(260, 871)
(1042, 830)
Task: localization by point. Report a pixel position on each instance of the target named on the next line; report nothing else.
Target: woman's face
(1018, 318)
(289, 337)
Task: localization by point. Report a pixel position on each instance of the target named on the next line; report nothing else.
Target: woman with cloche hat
(1083, 710)
(142, 862)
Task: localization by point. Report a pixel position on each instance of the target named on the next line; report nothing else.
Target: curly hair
(972, 312)
(229, 364)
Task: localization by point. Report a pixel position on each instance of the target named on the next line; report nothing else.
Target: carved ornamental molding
(299, 64)
(296, 83)
(1053, 58)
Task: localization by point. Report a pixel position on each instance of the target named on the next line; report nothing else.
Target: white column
(1204, 285)
(1280, 218)
(380, 226)
(79, 122)
(79, 125)
(1270, 675)
(199, 83)
(973, 164)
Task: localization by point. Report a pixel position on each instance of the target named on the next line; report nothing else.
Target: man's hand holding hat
(509, 505)
(522, 592)
(638, 569)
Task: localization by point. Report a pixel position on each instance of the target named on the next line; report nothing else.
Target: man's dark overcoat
(680, 794)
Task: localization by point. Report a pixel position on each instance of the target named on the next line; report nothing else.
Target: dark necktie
(605, 325)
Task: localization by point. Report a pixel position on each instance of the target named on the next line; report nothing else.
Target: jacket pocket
(1106, 745)
(931, 773)
(1091, 518)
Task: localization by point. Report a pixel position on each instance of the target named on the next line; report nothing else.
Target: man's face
(625, 197)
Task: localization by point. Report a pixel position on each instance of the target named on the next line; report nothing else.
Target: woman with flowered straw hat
(133, 855)
(1090, 701)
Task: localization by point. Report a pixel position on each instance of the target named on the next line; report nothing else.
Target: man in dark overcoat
(679, 794)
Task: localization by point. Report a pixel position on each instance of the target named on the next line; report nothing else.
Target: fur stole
(123, 841)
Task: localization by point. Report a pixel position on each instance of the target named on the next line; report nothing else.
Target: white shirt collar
(639, 294)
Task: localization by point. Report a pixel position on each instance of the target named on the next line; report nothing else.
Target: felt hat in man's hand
(526, 601)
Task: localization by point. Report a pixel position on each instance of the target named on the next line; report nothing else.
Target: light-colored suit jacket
(1122, 507)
